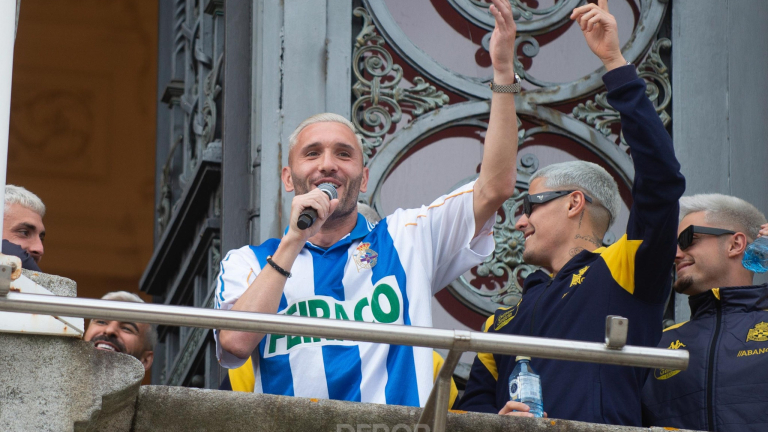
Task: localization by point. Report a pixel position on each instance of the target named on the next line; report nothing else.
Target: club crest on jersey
(758, 333)
(662, 374)
(365, 257)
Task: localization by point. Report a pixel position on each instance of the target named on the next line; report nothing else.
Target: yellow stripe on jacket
(620, 259)
(487, 358)
(437, 363)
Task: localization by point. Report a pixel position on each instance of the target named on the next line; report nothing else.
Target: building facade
(235, 79)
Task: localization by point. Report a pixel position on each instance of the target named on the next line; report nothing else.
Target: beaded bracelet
(279, 269)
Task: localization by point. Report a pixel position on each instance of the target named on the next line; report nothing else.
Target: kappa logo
(365, 257)
(676, 345)
(758, 333)
(662, 374)
(578, 278)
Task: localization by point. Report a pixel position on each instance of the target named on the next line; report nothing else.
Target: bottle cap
(518, 358)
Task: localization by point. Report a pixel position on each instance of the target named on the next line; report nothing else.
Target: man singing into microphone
(346, 268)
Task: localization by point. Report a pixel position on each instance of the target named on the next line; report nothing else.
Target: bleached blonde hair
(589, 178)
(23, 197)
(726, 211)
(324, 118)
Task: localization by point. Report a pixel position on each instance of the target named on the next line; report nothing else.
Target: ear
(364, 183)
(287, 178)
(147, 357)
(737, 245)
(576, 204)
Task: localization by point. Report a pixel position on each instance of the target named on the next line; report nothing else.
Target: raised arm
(650, 144)
(600, 31)
(647, 251)
(496, 182)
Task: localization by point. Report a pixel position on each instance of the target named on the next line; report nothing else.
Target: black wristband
(279, 269)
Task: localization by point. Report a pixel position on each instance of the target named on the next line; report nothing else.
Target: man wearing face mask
(132, 338)
(723, 388)
(23, 229)
(568, 210)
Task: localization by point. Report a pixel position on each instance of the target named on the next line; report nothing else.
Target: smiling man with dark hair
(136, 339)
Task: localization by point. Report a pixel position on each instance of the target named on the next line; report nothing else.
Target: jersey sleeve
(641, 260)
(480, 392)
(447, 229)
(237, 271)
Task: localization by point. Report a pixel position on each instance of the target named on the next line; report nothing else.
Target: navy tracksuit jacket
(631, 278)
(725, 387)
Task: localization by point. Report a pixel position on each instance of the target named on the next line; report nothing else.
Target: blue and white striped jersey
(384, 273)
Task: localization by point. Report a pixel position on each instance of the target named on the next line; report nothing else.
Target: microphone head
(329, 189)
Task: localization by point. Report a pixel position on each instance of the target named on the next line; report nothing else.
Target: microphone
(308, 215)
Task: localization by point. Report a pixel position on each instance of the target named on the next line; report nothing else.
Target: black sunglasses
(685, 238)
(541, 198)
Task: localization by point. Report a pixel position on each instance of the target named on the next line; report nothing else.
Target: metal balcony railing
(613, 351)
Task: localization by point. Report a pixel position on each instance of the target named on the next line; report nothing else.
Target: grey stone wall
(51, 383)
(184, 409)
(58, 285)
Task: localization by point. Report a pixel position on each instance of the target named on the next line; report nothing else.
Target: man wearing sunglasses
(568, 210)
(723, 388)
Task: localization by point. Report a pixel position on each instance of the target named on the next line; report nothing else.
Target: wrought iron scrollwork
(211, 90)
(652, 12)
(497, 281)
(530, 49)
(656, 76)
(530, 20)
(166, 190)
(214, 261)
(192, 95)
(527, 12)
(600, 114)
(507, 258)
(375, 98)
(499, 277)
(522, 10)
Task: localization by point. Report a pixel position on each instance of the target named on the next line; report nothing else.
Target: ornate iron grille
(187, 253)
(571, 110)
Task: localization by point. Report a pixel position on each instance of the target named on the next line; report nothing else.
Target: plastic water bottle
(756, 256)
(525, 386)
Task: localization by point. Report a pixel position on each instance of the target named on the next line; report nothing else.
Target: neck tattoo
(594, 239)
